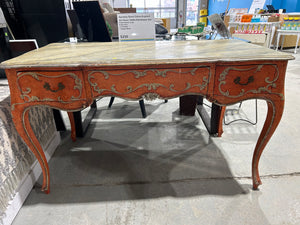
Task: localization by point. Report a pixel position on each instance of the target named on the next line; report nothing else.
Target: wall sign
(136, 27)
(257, 4)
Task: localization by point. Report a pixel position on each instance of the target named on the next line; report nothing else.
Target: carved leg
(220, 125)
(275, 110)
(23, 127)
(73, 128)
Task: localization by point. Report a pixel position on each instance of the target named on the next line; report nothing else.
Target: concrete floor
(166, 169)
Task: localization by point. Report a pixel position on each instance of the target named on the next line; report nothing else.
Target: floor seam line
(179, 181)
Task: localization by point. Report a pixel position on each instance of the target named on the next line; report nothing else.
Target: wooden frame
(223, 71)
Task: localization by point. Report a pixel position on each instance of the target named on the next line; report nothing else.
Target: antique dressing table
(69, 76)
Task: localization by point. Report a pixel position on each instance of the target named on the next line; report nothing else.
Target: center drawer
(163, 83)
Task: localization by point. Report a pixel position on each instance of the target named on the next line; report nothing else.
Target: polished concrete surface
(166, 169)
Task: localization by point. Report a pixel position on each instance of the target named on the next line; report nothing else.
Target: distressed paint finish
(142, 53)
(50, 86)
(70, 76)
(158, 81)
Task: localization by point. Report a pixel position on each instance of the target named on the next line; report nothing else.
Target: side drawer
(54, 86)
(149, 83)
(236, 81)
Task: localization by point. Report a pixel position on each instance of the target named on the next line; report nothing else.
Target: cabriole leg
(23, 127)
(73, 128)
(275, 110)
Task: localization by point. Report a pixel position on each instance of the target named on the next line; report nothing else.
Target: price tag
(136, 26)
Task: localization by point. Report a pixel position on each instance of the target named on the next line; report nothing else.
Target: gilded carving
(149, 86)
(151, 96)
(44, 163)
(138, 74)
(270, 82)
(25, 91)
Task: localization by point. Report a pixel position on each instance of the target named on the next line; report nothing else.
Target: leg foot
(220, 125)
(275, 110)
(73, 128)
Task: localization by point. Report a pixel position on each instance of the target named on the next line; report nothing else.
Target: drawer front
(150, 83)
(235, 81)
(53, 86)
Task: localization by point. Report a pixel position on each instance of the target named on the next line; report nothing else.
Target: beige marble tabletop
(146, 52)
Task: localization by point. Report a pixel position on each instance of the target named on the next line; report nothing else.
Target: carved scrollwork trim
(151, 96)
(271, 82)
(138, 74)
(26, 91)
(149, 86)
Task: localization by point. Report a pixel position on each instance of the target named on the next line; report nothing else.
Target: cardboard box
(204, 4)
(273, 19)
(125, 10)
(259, 39)
(277, 19)
(289, 40)
(226, 20)
(167, 23)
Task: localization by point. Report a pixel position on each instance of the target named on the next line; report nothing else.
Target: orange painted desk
(70, 76)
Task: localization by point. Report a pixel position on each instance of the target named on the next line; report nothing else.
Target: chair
(19, 47)
(219, 25)
(241, 119)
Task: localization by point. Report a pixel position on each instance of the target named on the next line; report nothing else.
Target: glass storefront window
(153, 4)
(168, 3)
(192, 12)
(160, 8)
(137, 3)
